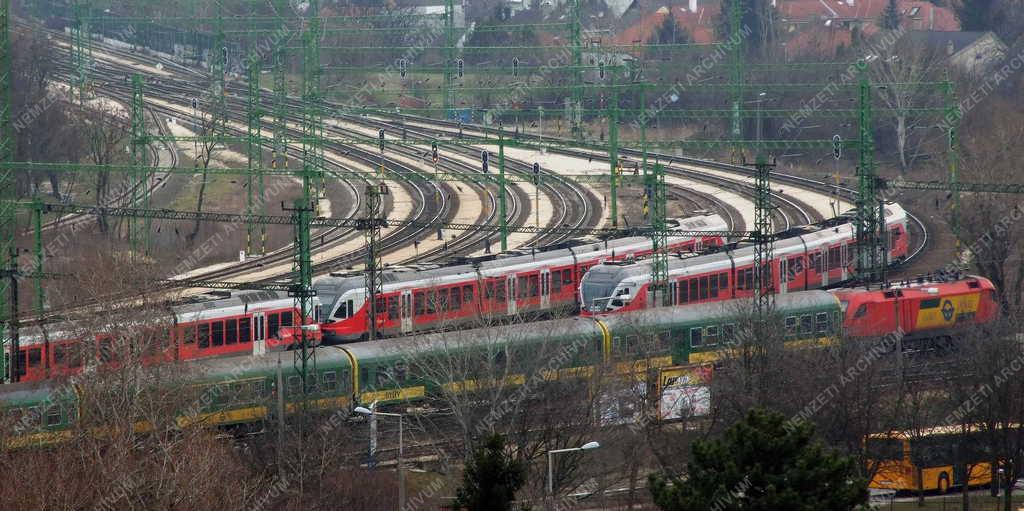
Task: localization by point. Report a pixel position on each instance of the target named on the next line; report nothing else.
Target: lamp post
(551, 462)
(401, 472)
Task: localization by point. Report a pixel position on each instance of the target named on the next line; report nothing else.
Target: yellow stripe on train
(947, 311)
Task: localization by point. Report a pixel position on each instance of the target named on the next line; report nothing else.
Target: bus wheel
(943, 483)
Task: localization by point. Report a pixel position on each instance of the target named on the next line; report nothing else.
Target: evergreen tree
(763, 462)
(491, 478)
(755, 21)
(891, 16)
(669, 32)
(975, 15)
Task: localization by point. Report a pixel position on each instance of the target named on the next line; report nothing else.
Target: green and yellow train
(244, 389)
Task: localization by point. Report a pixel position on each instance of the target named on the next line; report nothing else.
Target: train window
(821, 322)
(534, 285)
(431, 302)
(499, 290)
(393, 307)
(523, 289)
(834, 258)
(384, 378)
(703, 288)
(489, 291)
(683, 288)
(53, 416)
(456, 300)
(567, 277)
(693, 290)
(723, 281)
(556, 280)
(696, 339)
(33, 418)
(664, 342)
(231, 331)
(806, 324)
(286, 319)
(294, 384)
(711, 337)
(204, 335)
(187, 334)
(243, 330)
(861, 311)
(217, 333)
(714, 286)
(418, 299)
(273, 325)
(381, 305)
(815, 262)
(330, 381)
(790, 325)
(728, 333)
(35, 357)
(59, 353)
(467, 294)
(107, 353)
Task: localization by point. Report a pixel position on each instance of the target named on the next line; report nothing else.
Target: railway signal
(380, 138)
(484, 157)
(461, 64)
(600, 70)
(515, 67)
(837, 147)
(403, 67)
(536, 172)
(433, 151)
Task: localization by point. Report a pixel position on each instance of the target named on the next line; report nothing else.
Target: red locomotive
(925, 307)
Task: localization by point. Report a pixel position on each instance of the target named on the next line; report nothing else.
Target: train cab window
(821, 322)
(467, 295)
(861, 311)
(273, 325)
(53, 416)
(703, 288)
(35, 357)
(204, 335)
(217, 337)
(330, 381)
(713, 282)
(231, 331)
(711, 337)
(456, 299)
(696, 337)
(286, 319)
(790, 325)
(244, 330)
(806, 324)
(418, 298)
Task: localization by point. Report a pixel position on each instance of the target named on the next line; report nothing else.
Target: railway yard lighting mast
(551, 462)
(373, 414)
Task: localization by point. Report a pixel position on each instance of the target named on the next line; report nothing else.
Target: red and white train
(246, 322)
(805, 258)
(544, 282)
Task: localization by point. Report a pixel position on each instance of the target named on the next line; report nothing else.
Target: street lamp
(372, 413)
(551, 464)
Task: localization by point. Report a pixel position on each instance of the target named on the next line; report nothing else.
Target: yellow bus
(899, 458)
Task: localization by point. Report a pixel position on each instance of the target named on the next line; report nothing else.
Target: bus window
(884, 449)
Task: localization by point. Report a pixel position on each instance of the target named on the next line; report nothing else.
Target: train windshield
(597, 288)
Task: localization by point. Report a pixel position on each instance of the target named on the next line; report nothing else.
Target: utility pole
(371, 226)
(138, 228)
(502, 206)
(254, 185)
(870, 222)
(613, 152)
(13, 315)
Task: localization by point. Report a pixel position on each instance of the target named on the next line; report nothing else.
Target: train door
(844, 264)
(406, 311)
(545, 288)
(783, 275)
(259, 333)
(510, 288)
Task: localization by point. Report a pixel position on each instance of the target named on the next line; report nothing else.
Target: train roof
(686, 264)
(923, 287)
(330, 289)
